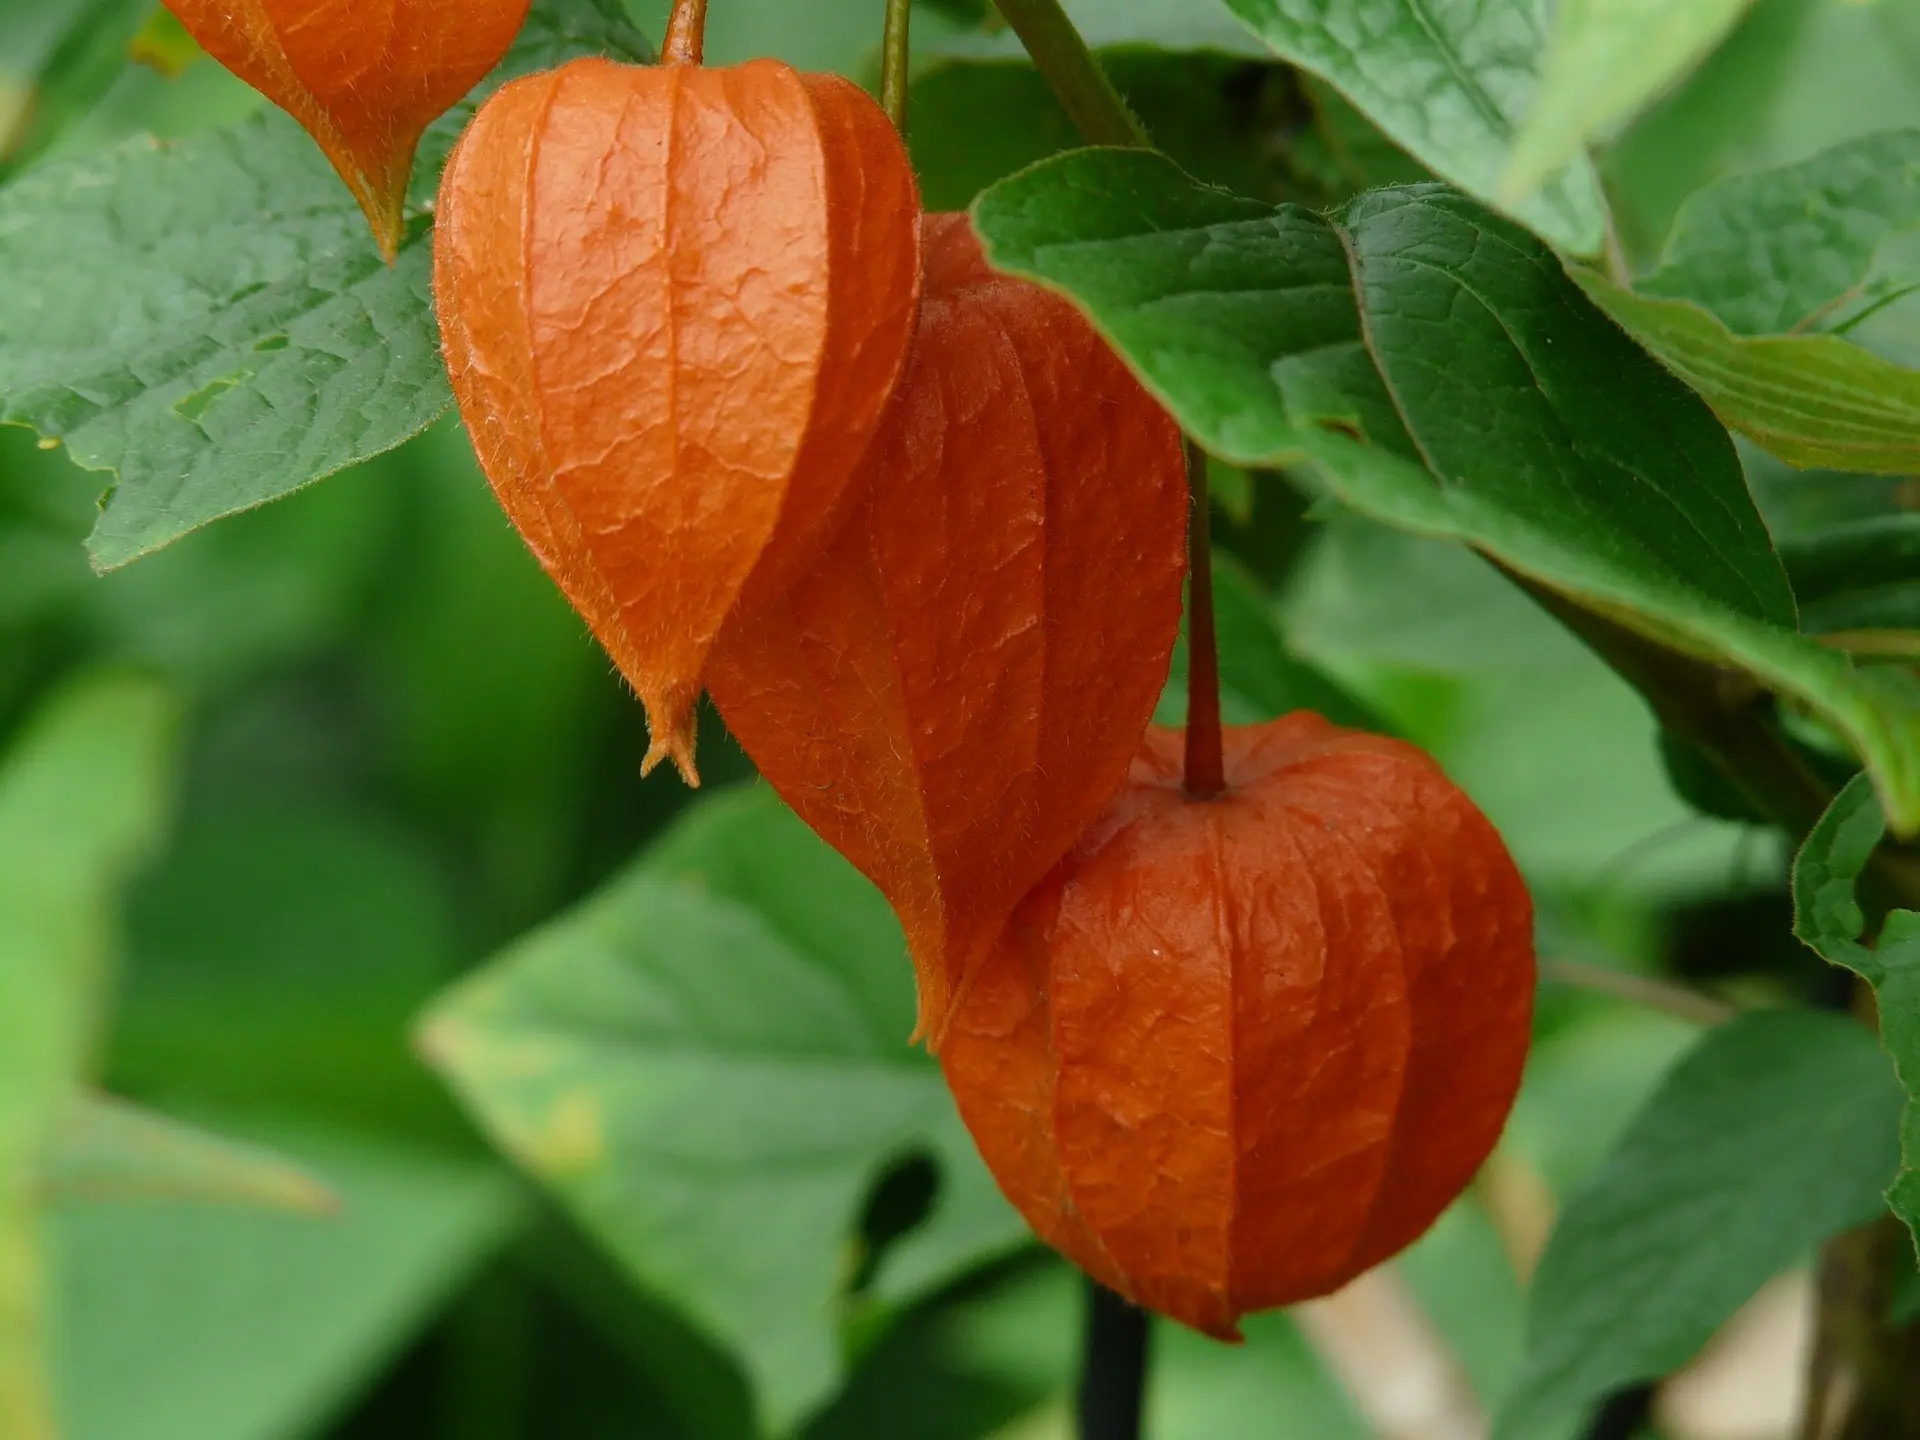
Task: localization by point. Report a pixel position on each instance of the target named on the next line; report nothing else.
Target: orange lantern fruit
(1236, 1051)
(952, 694)
(364, 80)
(674, 302)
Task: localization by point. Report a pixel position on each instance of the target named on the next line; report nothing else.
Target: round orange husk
(674, 303)
(1235, 1052)
(365, 79)
(952, 694)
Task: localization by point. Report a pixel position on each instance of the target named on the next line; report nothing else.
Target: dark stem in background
(896, 59)
(1071, 72)
(1113, 1375)
(1206, 768)
(686, 41)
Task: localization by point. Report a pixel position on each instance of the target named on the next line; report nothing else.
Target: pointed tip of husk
(672, 739)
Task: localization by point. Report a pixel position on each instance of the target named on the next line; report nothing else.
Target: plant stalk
(1113, 1374)
(1073, 74)
(686, 41)
(896, 59)
(1206, 764)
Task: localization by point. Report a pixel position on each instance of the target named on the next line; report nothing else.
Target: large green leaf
(264, 345)
(1449, 80)
(193, 1322)
(1775, 1132)
(1607, 59)
(1813, 400)
(1827, 915)
(1755, 268)
(81, 797)
(1438, 370)
(708, 1063)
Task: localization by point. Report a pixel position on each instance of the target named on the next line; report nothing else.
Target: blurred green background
(398, 752)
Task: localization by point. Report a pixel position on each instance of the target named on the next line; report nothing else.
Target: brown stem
(896, 59)
(1862, 1371)
(686, 41)
(1206, 766)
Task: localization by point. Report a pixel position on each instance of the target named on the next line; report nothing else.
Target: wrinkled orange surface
(365, 77)
(955, 691)
(674, 302)
(1235, 1052)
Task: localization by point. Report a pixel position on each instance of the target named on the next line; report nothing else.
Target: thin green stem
(896, 58)
(1070, 70)
(686, 42)
(1205, 761)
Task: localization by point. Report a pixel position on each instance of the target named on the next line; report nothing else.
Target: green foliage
(1449, 80)
(82, 794)
(104, 1150)
(192, 1323)
(1861, 575)
(1603, 480)
(1828, 915)
(1607, 58)
(270, 346)
(1770, 1135)
(707, 1062)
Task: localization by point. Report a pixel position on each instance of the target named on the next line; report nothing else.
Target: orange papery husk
(364, 79)
(1235, 1052)
(674, 303)
(955, 691)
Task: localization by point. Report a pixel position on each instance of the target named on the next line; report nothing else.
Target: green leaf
(269, 346)
(1816, 401)
(106, 1151)
(1449, 80)
(1773, 1133)
(708, 1063)
(1863, 575)
(1437, 369)
(1607, 58)
(82, 793)
(188, 1322)
(1775, 251)
(1828, 916)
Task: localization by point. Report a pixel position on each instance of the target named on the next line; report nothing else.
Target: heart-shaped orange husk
(365, 79)
(953, 693)
(674, 302)
(1237, 1051)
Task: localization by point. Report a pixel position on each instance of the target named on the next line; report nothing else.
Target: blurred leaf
(1602, 479)
(1828, 917)
(1773, 252)
(271, 346)
(276, 958)
(182, 1322)
(106, 1151)
(1774, 1133)
(1173, 26)
(1859, 576)
(1795, 77)
(1607, 58)
(87, 55)
(1448, 80)
(1259, 678)
(975, 121)
(1813, 400)
(82, 794)
(708, 1063)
